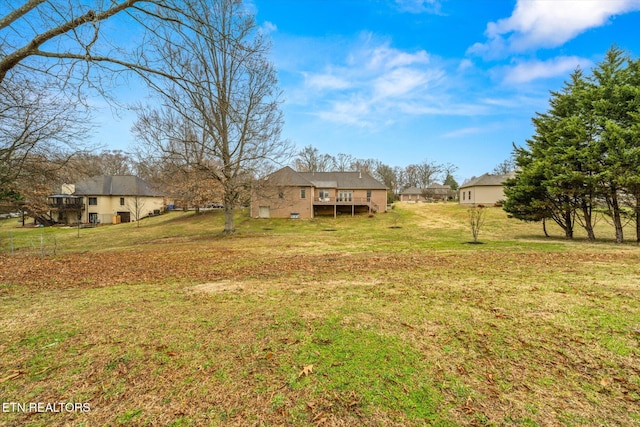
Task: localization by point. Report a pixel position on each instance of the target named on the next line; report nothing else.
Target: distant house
(412, 194)
(287, 193)
(483, 190)
(104, 200)
(433, 192)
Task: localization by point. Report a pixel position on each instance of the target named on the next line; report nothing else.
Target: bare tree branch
(227, 93)
(19, 13)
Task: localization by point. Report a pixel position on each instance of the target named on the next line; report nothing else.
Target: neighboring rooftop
(346, 180)
(116, 185)
(436, 188)
(487, 180)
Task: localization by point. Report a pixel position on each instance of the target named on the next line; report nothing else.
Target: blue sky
(402, 81)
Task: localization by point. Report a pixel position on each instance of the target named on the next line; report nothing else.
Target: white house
(487, 190)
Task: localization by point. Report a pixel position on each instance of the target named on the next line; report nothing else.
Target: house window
(368, 195)
(281, 195)
(345, 196)
(469, 194)
(93, 201)
(121, 201)
(463, 196)
(303, 193)
(323, 195)
(93, 218)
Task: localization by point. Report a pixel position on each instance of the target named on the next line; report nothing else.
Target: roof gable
(488, 180)
(344, 180)
(433, 188)
(411, 191)
(287, 176)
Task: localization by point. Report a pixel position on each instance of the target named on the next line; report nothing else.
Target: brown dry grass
(209, 331)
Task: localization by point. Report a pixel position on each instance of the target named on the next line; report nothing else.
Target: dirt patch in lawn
(254, 286)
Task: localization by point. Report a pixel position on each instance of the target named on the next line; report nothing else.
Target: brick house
(433, 192)
(290, 194)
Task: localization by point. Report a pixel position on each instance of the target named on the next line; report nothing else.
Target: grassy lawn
(387, 320)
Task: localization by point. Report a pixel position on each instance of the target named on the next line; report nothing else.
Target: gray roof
(346, 180)
(487, 180)
(116, 185)
(324, 184)
(287, 176)
(436, 188)
(411, 191)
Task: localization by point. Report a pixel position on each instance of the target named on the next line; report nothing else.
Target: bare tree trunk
(588, 221)
(229, 226)
(568, 221)
(565, 219)
(614, 210)
(637, 220)
(227, 92)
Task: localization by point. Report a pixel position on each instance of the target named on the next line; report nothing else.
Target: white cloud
(326, 81)
(532, 70)
(400, 82)
(382, 56)
(353, 111)
(268, 27)
(465, 132)
(442, 106)
(368, 85)
(418, 6)
(389, 58)
(545, 24)
(465, 64)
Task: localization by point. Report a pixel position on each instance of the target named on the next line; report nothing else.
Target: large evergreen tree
(614, 100)
(585, 151)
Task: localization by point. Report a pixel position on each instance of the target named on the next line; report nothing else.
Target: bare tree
(476, 221)
(62, 38)
(50, 51)
(174, 149)
(386, 174)
(427, 173)
(365, 165)
(309, 159)
(39, 129)
(411, 177)
(107, 162)
(227, 93)
(343, 162)
(504, 167)
(136, 205)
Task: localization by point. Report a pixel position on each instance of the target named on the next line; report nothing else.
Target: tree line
(395, 178)
(215, 115)
(582, 165)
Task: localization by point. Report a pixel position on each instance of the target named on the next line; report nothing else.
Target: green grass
(173, 324)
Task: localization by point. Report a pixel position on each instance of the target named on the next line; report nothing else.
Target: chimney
(68, 189)
(360, 174)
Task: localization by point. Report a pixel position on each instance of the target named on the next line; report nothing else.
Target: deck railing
(66, 205)
(341, 201)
